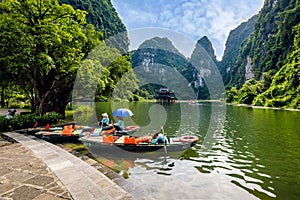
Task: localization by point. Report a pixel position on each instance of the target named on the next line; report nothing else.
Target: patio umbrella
(122, 112)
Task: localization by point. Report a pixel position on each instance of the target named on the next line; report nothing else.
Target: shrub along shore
(28, 121)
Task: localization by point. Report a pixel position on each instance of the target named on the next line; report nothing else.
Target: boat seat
(68, 130)
(120, 140)
(108, 139)
(129, 140)
(143, 139)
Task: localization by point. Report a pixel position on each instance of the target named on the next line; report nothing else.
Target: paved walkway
(26, 177)
(4, 111)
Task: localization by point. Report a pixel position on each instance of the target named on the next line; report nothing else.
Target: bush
(27, 121)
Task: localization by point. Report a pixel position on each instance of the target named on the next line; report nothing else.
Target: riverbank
(239, 105)
(54, 164)
(236, 104)
(263, 107)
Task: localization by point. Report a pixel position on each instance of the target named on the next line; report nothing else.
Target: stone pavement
(4, 111)
(26, 175)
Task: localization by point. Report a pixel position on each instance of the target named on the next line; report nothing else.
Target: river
(243, 152)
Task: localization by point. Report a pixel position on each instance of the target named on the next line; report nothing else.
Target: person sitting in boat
(105, 120)
(159, 138)
(120, 124)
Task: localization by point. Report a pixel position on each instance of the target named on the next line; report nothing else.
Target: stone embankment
(33, 169)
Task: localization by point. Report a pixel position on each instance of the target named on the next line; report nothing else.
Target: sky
(188, 19)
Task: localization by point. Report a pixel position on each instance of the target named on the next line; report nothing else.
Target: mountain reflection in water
(244, 153)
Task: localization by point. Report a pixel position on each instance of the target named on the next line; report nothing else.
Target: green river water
(243, 153)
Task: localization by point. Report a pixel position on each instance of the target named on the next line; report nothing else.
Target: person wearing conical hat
(105, 120)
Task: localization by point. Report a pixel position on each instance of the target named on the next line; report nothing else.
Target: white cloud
(195, 18)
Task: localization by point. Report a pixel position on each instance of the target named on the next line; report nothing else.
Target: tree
(42, 45)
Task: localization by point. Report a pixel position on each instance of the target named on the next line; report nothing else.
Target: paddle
(96, 131)
(101, 127)
(99, 131)
(163, 132)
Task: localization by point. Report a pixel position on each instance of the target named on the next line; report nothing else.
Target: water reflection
(230, 156)
(246, 153)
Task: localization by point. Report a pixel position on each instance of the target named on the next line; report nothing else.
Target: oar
(101, 127)
(163, 132)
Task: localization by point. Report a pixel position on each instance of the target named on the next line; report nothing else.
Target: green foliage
(232, 95)
(27, 121)
(274, 47)
(125, 81)
(106, 20)
(285, 89)
(248, 92)
(106, 71)
(269, 43)
(12, 96)
(42, 44)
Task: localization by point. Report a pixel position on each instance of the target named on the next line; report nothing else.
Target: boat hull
(56, 137)
(98, 146)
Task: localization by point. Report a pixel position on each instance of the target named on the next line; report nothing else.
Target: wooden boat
(58, 136)
(111, 130)
(68, 134)
(136, 144)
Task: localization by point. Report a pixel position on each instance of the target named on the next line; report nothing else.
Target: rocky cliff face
(230, 71)
(200, 71)
(207, 81)
(256, 51)
(248, 69)
(158, 60)
(266, 58)
(269, 43)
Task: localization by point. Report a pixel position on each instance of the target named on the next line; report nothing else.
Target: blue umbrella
(122, 112)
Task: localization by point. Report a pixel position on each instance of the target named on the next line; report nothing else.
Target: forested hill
(158, 56)
(260, 65)
(267, 66)
(227, 67)
(104, 17)
(156, 53)
(198, 70)
(158, 50)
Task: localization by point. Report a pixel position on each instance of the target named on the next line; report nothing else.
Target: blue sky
(192, 18)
